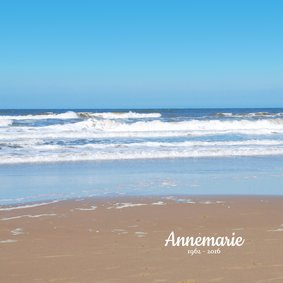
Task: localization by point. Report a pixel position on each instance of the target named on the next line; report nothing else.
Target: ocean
(78, 153)
(29, 136)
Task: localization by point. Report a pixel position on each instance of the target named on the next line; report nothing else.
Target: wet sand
(122, 240)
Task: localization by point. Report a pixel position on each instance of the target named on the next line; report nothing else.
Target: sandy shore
(122, 240)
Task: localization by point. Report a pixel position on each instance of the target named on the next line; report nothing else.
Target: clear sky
(141, 53)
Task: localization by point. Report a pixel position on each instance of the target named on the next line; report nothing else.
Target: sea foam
(90, 136)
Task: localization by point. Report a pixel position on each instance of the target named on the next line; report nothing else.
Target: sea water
(47, 154)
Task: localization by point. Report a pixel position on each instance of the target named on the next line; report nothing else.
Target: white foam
(93, 207)
(249, 115)
(277, 230)
(85, 130)
(168, 183)
(206, 202)
(17, 231)
(119, 115)
(186, 201)
(5, 123)
(180, 200)
(158, 203)
(126, 205)
(191, 125)
(280, 229)
(141, 234)
(93, 128)
(140, 154)
(7, 241)
(37, 144)
(27, 206)
(44, 116)
(84, 115)
(120, 231)
(26, 216)
(187, 144)
(30, 144)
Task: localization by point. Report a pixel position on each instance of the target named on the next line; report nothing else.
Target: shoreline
(122, 239)
(112, 197)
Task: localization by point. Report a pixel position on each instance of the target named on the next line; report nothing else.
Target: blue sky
(141, 54)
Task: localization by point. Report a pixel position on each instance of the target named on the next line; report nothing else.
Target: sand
(122, 240)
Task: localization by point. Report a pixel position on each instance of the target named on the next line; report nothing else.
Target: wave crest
(118, 115)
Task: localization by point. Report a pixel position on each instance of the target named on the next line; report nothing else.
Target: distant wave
(82, 115)
(248, 115)
(118, 115)
(43, 116)
(127, 115)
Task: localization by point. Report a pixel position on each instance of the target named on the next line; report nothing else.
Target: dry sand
(122, 240)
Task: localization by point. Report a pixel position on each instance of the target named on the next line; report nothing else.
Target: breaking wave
(118, 115)
(109, 135)
(82, 115)
(249, 115)
(43, 116)
(138, 154)
(159, 126)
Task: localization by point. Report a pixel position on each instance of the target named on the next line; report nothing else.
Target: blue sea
(47, 154)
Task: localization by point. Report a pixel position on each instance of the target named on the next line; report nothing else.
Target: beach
(122, 239)
(141, 196)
